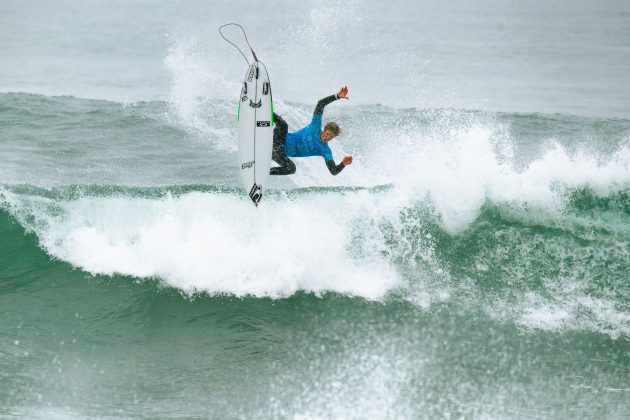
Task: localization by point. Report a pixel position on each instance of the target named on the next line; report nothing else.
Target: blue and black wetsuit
(304, 142)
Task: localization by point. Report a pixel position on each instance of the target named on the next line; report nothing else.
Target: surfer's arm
(319, 109)
(334, 169)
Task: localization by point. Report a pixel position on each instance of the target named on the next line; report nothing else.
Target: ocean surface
(473, 261)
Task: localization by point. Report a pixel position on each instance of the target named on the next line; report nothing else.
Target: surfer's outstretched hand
(347, 160)
(343, 93)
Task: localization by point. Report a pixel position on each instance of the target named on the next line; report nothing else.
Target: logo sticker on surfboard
(255, 193)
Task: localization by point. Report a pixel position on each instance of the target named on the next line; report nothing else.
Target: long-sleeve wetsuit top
(307, 141)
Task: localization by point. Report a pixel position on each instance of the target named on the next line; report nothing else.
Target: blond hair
(333, 128)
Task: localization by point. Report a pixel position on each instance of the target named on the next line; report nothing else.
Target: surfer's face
(327, 135)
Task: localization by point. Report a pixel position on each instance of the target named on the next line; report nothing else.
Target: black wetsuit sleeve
(334, 169)
(319, 109)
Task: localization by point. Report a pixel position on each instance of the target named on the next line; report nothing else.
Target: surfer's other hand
(343, 93)
(347, 160)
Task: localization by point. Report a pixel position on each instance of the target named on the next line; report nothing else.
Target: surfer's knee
(280, 122)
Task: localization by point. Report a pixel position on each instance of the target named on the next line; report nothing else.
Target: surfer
(309, 141)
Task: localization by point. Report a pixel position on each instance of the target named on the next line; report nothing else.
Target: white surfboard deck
(255, 130)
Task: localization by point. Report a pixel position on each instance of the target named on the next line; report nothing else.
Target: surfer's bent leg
(287, 167)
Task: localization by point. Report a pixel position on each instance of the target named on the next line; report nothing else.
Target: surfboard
(255, 130)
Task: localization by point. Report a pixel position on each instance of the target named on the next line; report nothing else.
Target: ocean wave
(550, 269)
(522, 216)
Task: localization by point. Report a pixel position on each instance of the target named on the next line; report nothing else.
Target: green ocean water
(503, 297)
(78, 345)
(473, 262)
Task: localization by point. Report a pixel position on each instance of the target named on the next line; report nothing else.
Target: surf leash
(235, 46)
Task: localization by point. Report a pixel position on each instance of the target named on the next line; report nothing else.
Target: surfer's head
(331, 130)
